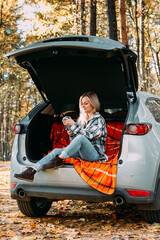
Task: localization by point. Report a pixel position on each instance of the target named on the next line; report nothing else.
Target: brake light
(17, 128)
(138, 193)
(13, 185)
(137, 129)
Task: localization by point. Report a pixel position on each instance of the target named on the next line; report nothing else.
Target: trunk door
(64, 68)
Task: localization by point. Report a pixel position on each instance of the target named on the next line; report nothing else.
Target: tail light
(17, 128)
(137, 129)
(138, 193)
(13, 185)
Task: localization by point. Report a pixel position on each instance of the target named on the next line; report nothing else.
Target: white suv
(63, 68)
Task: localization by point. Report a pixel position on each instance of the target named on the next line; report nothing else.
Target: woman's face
(86, 105)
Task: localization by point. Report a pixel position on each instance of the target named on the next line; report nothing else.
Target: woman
(87, 136)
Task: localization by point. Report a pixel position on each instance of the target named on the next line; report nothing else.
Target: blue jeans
(79, 147)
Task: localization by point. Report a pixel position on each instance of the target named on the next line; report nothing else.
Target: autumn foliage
(69, 220)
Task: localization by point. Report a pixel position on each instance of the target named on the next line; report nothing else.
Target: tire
(151, 216)
(36, 207)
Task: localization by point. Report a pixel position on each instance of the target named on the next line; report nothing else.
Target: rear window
(153, 105)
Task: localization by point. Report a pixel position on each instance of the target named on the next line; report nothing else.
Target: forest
(135, 23)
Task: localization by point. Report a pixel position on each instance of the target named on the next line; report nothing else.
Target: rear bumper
(58, 192)
(24, 191)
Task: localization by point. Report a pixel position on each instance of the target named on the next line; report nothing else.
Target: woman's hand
(68, 121)
(70, 133)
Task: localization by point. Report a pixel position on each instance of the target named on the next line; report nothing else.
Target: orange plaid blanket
(99, 175)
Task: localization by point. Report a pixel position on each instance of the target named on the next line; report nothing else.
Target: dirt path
(69, 220)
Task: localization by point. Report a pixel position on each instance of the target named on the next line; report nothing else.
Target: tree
(137, 34)
(83, 18)
(142, 47)
(53, 18)
(93, 17)
(9, 39)
(112, 21)
(144, 34)
(123, 30)
(16, 96)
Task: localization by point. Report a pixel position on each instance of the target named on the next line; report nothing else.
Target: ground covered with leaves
(69, 220)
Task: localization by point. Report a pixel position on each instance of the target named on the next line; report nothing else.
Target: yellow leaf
(53, 230)
(33, 225)
(20, 215)
(56, 222)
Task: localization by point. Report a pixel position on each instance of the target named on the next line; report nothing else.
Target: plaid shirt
(96, 132)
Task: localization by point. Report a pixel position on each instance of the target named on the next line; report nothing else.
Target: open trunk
(63, 69)
(46, 132)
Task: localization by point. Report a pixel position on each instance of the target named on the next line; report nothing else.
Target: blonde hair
(94, 101)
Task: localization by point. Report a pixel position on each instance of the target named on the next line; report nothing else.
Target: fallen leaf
(114, 216)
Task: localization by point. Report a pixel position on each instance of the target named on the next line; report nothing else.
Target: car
(63, 68)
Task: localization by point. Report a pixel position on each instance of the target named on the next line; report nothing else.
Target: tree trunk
(137, 36)
(93, 18)
(158, 62)
(112, 21)
(1, 133)
(6, 143)
(142, 49)
(154, 54)
(77, 17)
(83, 18)
(123, 30)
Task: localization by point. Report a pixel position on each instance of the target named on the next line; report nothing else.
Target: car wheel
(36, 207)
(151, 216)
